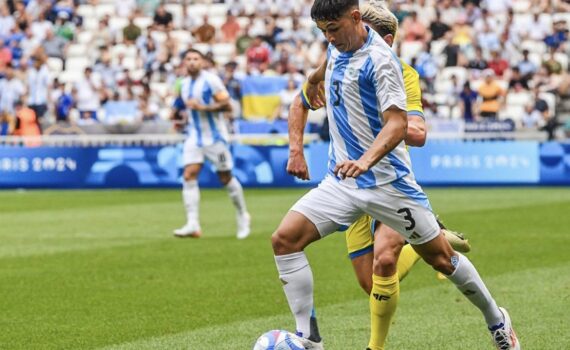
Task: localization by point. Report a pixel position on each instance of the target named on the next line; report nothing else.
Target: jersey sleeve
(413, 91)
(217, 85)
(388, 81)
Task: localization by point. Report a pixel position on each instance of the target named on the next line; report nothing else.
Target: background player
(369, 170)
(205, 97)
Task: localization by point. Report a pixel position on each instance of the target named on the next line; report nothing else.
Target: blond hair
(381, 19)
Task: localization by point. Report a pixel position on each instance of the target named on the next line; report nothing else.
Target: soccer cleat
(505, 337)
(188, 231)
(243, 224)
(457, 241)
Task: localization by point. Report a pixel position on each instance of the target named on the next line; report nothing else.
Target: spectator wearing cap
(491, 94)
(38, 86)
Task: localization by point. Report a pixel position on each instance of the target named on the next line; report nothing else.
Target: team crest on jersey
(351, 72)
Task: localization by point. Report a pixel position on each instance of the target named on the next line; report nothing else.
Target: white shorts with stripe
(218, 154)
(402, 205)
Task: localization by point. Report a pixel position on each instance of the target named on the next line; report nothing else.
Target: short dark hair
(330, 10)
(192, 51)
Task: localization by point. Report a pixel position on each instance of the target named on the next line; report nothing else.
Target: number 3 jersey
(204, 128)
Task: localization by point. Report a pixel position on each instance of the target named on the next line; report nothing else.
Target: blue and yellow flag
(260, 96)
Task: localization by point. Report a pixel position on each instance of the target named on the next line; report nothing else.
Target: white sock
(467, 280)
(191, 197)
(297, 278)
(236, 194)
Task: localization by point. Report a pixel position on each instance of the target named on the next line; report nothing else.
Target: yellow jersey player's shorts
(360, 237)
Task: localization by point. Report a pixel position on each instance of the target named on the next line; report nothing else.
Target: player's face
(342, 33)
(193, 62)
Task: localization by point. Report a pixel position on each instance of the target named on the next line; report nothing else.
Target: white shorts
(218, 154)
(401, 205)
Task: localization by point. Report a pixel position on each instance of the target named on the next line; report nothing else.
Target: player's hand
(195, 105)
(350, 168)
(316, 94)
(297, 166)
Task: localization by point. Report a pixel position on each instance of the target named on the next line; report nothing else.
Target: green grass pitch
(100, 270)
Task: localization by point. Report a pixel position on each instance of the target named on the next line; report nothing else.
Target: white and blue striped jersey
(204, 128)
(359, 87)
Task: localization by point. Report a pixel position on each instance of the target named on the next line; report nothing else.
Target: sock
(236, 194)
(297, 278)
(408, 258)
(191, 197)
(383, 303)
(467, 280)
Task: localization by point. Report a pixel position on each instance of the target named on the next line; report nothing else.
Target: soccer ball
(278, 340)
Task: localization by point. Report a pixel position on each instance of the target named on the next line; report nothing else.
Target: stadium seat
(563, 59)
(410, 49)
(550, 99)
(86, 11)
(76, 50)
(77, 64)
(55, 65)
(197, 11)
(177, 12)
(181, 36)
(118, 23)
(533, 46)
(143, 22)
(101, 10)
(460, 72)
(84, 37)
(217, 10)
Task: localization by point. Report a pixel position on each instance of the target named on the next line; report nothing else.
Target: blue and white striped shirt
(204, 128)
(359, 87)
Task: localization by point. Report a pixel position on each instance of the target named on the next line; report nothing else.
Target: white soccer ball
(278, 340)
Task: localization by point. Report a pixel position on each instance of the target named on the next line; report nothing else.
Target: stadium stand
(133, 48)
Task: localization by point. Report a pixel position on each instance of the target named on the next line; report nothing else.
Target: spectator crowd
(117, 63)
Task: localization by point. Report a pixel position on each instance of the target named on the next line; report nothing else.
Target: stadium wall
(439, 163)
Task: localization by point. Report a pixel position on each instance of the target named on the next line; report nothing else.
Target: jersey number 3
(408, 217)
(336, 92)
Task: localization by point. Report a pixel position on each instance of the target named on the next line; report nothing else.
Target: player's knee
(385, 264)
(190, 175)
(442, 263)
(282, 244)
(225, 178)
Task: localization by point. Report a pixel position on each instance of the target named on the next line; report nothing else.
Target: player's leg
(219, 154)
(385, 284)
(360, 246)
(191, 199)
(320, 212)
(411, 215)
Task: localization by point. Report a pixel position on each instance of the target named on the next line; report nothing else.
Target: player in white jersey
(205, 98)
(369, 173)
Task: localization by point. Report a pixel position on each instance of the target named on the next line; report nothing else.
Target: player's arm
(297, 165)
(313, 90)
(417, 133)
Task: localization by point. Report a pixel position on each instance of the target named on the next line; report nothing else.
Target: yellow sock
(383, 304)
(408, 258)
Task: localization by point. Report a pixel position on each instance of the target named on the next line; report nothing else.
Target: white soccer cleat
(188, 231)
(311, 345)
(505, 337)
(243, 225)
(457, 241)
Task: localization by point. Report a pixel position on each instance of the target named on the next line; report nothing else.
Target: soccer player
(394, 259)
(205, 98)
(369, 173)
